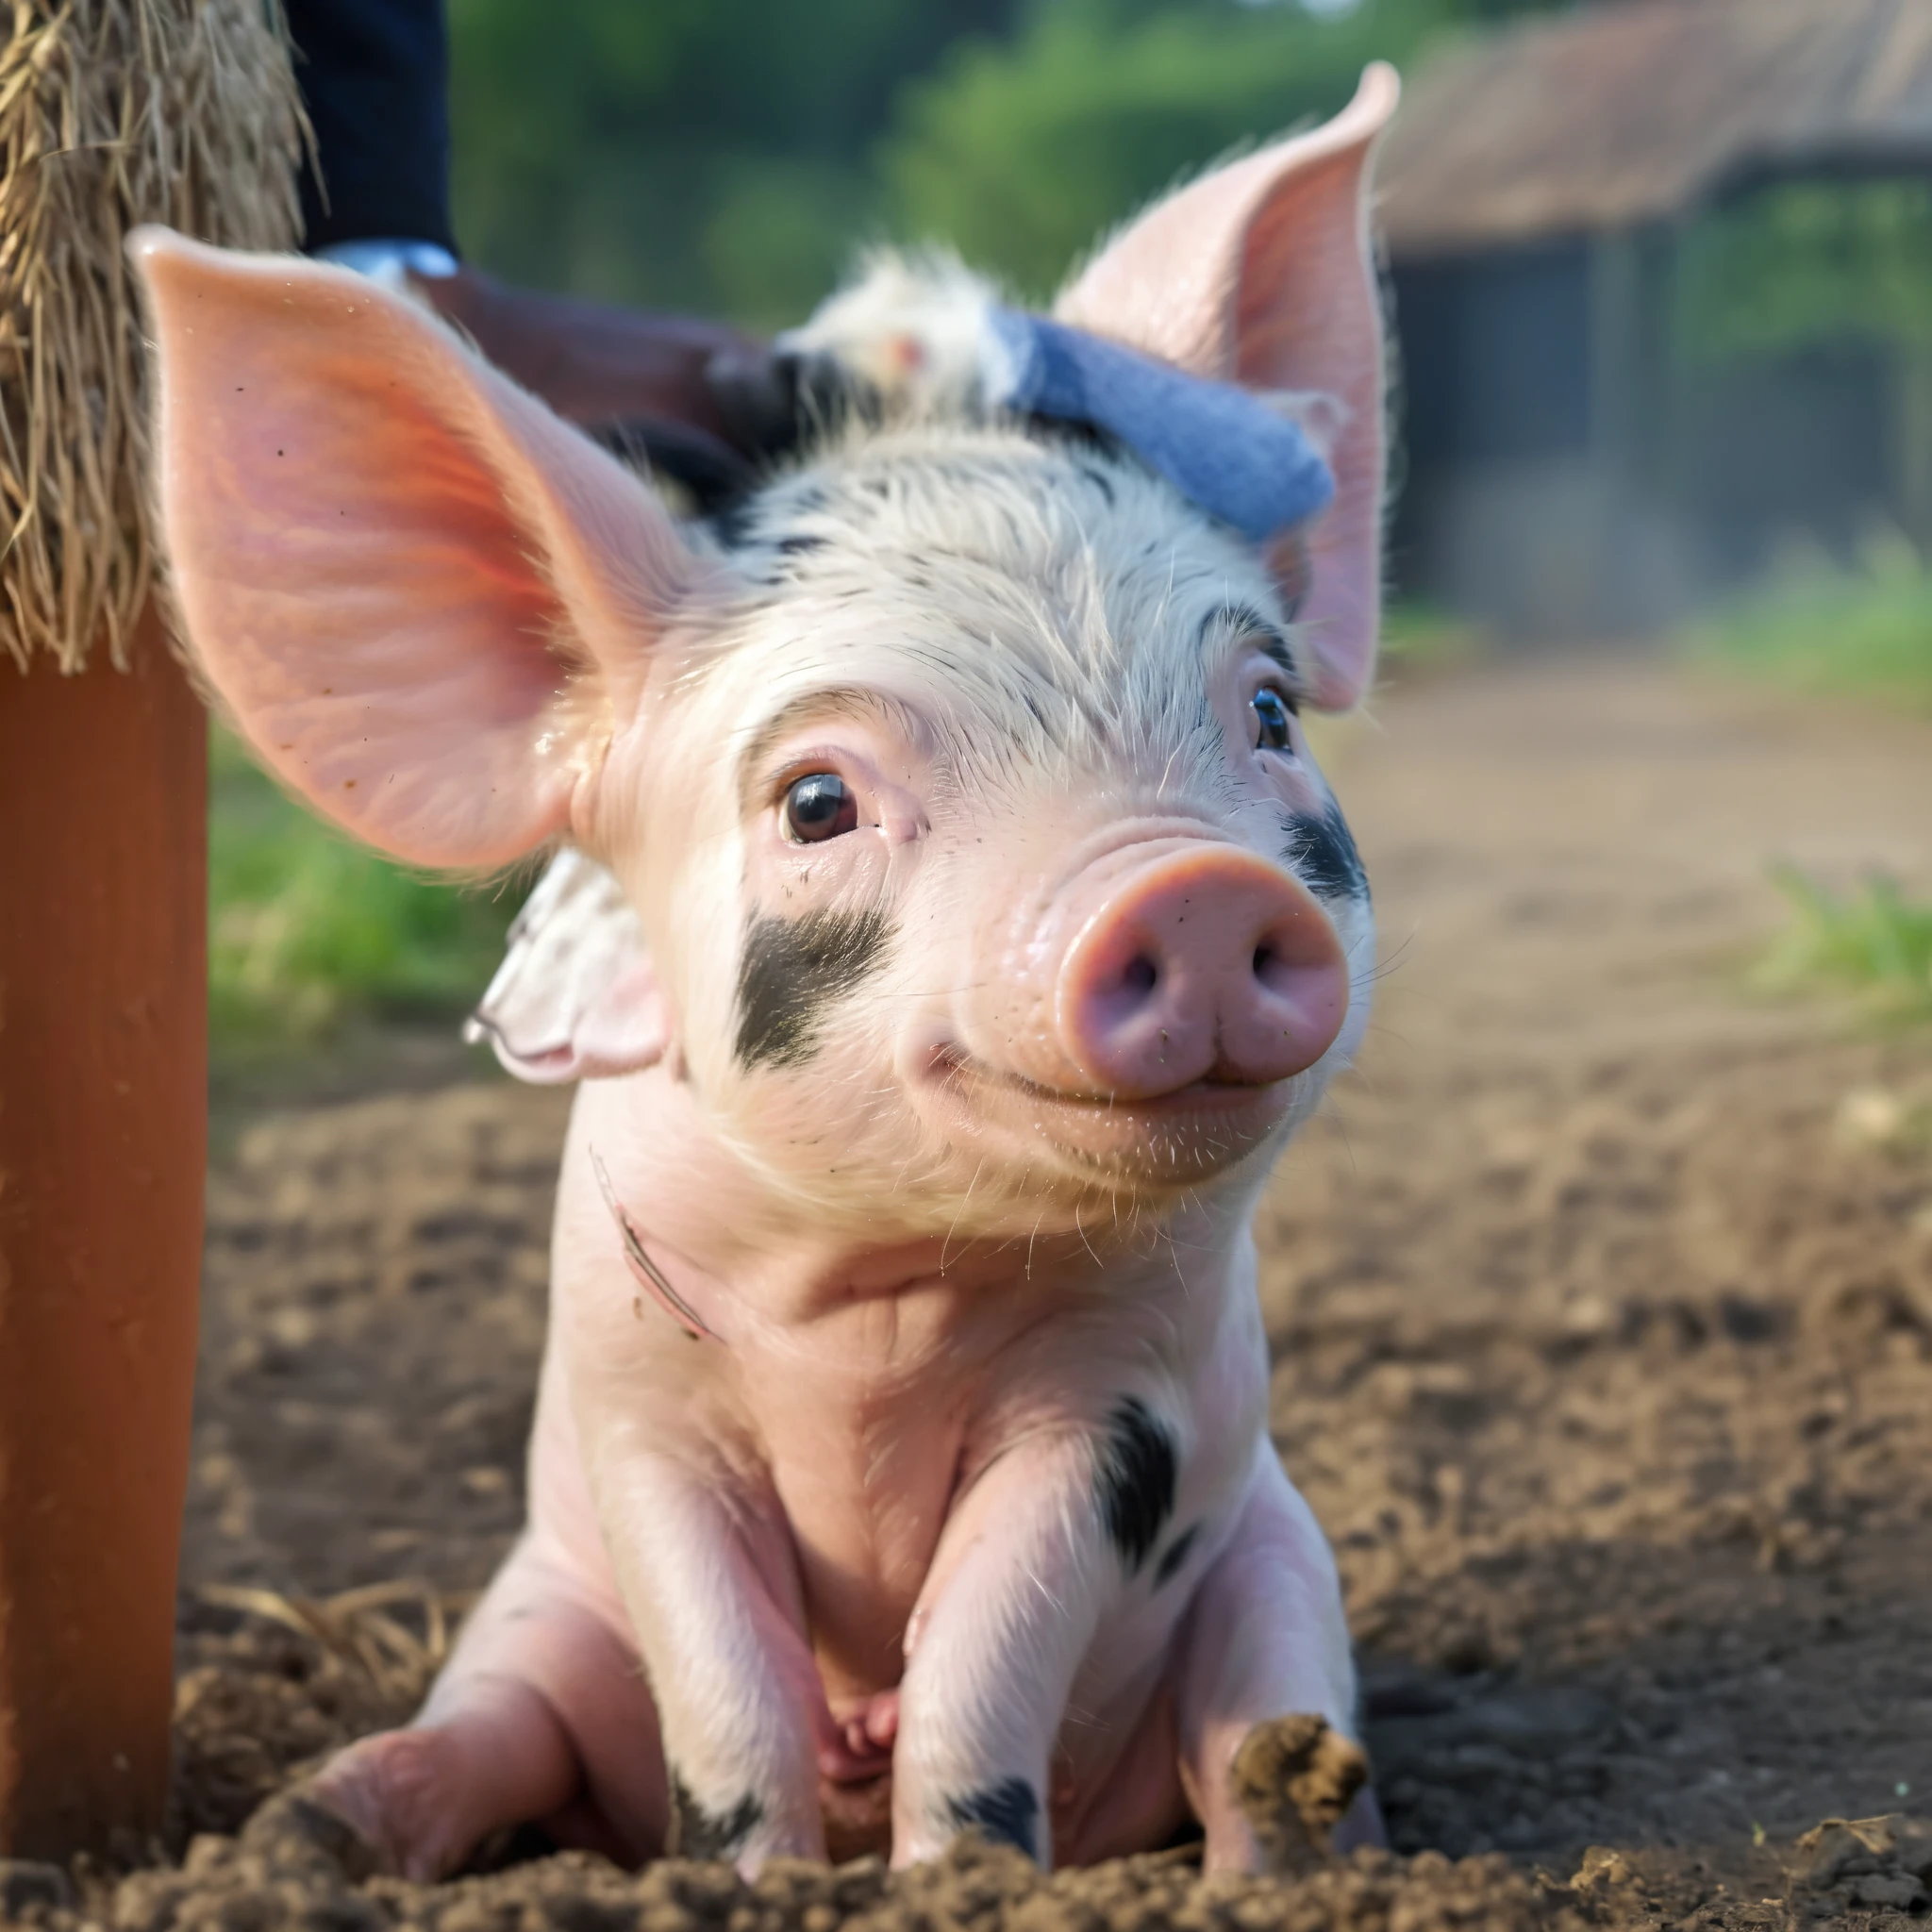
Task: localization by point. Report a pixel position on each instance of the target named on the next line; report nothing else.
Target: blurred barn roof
(1629, 112)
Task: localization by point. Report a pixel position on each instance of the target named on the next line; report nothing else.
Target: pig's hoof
(1362, 1826)
(396, 1793)
(295, 1831)
(1295, 1779)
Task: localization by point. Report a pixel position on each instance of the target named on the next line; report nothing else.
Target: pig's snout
(1205, 965)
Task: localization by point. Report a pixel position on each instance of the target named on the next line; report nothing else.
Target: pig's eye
(820, 805)
(1270, 720)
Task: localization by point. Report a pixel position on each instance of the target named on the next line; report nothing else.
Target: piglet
(951, 928)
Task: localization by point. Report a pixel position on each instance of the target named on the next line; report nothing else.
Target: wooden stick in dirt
(112, 113)
(103, 1109)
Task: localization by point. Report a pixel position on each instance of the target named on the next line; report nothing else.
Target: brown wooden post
(102, 1134)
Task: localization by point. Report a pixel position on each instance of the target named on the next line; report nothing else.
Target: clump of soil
(291, 1875)
(1602, 1307)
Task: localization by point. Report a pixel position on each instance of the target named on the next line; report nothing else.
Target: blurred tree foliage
(730, 154)
(1024, 152)
(710, 154)
(1805, 262)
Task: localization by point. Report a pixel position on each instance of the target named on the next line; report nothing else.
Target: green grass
(306, 930)
(1862, 629)
(1872, 943)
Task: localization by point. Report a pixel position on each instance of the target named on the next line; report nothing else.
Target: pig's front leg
(1266, 1694)
(1020, 1577)
(708, 1577)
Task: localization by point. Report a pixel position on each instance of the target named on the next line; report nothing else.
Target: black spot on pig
(733, 524)
(1100, 481)
(1321, 850)
(792, 971)
(1007, 1812)
(1175, 1554)
(711, 471)
(698, 1833)
(774, 402)
(1136, 1480)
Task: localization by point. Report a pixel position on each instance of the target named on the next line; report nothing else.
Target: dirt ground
(1602, 1303)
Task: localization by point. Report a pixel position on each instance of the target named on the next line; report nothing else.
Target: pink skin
(1203, 964)
(908, 1467)
(861, 1518)
(964, 1389)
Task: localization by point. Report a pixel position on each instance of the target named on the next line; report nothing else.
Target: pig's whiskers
(958, 1217)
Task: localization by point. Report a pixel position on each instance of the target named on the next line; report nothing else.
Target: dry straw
(113, 112)
(359, 1631)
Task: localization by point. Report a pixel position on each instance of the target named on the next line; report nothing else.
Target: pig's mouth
(1179, 1137)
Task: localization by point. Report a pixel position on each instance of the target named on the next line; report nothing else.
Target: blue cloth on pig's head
(1223, 448)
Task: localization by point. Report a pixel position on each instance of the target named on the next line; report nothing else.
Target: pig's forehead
(999, 494)
(1063, 556)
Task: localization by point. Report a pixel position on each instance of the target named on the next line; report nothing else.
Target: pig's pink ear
(575, 998)
(420, 593)
(1261, 272)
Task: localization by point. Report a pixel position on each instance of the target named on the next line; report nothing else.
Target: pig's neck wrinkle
(764, 1275)
(871, 1344)
(868, 1322)
(878, 1319)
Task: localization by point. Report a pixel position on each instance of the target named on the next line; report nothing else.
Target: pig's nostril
(1273, 968)
(1280, 963)
(1141, 976)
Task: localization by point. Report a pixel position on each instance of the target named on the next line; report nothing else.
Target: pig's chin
(1175, 1140)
